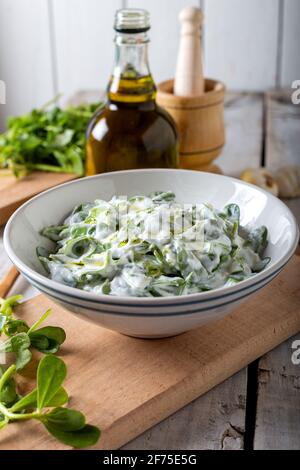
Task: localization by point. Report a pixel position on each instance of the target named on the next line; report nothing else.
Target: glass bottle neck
(131, 80)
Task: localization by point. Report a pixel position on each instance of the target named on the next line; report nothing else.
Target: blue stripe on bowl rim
(154, 314)
(147, 306)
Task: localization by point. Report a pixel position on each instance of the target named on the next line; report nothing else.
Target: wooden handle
(8, 281)
(189, 80)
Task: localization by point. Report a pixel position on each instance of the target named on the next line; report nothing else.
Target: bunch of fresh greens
(47, 139)
(45, 403)
(21, 337)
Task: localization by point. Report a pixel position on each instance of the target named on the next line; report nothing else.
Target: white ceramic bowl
(150, 317)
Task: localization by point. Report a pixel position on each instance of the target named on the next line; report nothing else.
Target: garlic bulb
(262, 178)
(288, 181)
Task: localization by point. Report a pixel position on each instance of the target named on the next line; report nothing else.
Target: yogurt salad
(152, 246)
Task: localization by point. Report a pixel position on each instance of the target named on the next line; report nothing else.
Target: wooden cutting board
(15, 192)
(127, 385)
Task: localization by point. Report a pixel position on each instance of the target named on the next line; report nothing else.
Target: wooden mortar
(200, 122)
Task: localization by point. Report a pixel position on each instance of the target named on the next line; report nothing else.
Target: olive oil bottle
(131, 130)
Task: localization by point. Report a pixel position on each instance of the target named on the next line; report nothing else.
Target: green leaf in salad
(231, 212)
(53, 232)
(136, 254)
(162, 196)
(261, 265)
(258, 239)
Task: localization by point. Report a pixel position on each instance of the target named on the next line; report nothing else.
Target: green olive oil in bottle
(131, 130)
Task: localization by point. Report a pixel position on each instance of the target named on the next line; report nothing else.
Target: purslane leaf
(65, 419)
(6, 307)
(50, 375)
(258, 239)
(47, 339)
(8, 394)
(39, 321)
(40, 343)
(261, 265)
(18, 344)
(232, 212)
(85, 437)
(60, 398)
(30, 400)
(23, 358)
(13, 327)
(66, 425)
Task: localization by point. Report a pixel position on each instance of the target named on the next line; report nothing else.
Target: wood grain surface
(278, 384)
(127, 385)
(277, 420)
(282, 129)
(15, 192)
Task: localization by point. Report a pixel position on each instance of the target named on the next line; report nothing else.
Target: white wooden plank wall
(51, 46)
(290, 63)
(241, 42)
(278, 400)
(25, 55)
(83, 36)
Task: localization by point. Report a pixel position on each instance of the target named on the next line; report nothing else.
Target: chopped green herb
(47, 139)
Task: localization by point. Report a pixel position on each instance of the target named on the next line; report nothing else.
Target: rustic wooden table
(259, 407)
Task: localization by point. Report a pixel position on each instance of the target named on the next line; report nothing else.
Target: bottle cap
(132, 20)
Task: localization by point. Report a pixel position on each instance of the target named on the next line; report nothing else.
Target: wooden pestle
(189, 80)
(196, 104)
